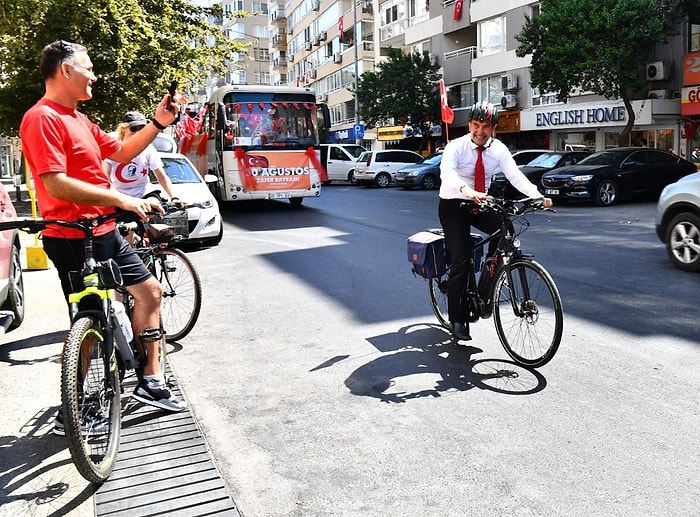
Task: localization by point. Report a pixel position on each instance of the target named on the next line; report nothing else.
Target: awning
(390, 133)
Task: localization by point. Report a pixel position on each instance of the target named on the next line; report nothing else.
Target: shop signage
(690, 101)
(691, 69)
(572, 117)
(390, 133)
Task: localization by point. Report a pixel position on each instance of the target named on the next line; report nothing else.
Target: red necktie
(479, 172)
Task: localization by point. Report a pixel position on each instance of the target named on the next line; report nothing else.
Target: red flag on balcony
(458, 10)
(340, 29)
(447, 114)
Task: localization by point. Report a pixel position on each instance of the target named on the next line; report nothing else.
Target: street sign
(359, 130)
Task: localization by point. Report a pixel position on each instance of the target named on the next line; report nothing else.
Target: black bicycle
(514, 288)
(182, 287)
(96, 352)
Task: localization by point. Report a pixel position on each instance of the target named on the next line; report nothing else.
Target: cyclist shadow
(32, 343)
(423, 361)
(37, 471)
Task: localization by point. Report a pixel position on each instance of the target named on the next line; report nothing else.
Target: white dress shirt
(459, 160)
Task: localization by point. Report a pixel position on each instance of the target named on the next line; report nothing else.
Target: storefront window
(578, 141)
(664, 140)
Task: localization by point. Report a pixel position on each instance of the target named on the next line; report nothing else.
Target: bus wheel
(296, 201)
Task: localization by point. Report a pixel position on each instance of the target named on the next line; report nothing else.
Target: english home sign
(567, 116)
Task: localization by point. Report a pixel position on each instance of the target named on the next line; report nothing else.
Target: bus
(260, 142)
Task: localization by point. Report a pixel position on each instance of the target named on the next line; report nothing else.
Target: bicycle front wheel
(182, 292)
(91, 400)
(528, 315)
(437, 287)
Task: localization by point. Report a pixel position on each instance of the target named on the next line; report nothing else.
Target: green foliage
(137, 47)
(403, 86)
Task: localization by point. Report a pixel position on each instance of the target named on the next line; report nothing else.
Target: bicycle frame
(506, 251)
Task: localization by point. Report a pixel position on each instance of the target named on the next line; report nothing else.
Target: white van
(339, 161)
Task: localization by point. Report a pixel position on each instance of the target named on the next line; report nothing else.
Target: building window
(490, 89)
(260, 7)
(492, 36)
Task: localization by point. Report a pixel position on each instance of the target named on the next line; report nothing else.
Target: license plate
(279, 195)
(552, 191)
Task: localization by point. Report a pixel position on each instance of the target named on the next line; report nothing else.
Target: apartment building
(326, 44)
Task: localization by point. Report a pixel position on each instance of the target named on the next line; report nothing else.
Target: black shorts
(69, 255)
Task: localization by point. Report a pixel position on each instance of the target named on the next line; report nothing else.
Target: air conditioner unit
(316, 5)
(323, 36)
(433, 59)
(509, 82)
(659, 94)
(509, 101)
(317, 40)
(323, 97)
(290, 58)
(658, 71)
(312, 73)
(307, 45)
(337, 57)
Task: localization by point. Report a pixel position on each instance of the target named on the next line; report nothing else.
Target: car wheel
(15, 290)
(606, 193)
(683, 241)
(382, 180)
(351, 177)
(428, 182)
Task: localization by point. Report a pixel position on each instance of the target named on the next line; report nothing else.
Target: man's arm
(59, 185)
(138, 142)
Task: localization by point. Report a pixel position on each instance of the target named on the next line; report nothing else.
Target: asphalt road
(324, 386)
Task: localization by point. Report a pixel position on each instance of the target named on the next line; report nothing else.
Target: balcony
(457, 65)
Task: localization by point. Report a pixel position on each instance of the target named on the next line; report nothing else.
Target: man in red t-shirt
(65, 151)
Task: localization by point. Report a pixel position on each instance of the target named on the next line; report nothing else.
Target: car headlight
(412, 174)
(583, 178)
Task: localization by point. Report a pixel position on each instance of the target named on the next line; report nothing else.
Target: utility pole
(358, 139)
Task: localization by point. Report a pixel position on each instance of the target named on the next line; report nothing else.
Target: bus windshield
(262, 119)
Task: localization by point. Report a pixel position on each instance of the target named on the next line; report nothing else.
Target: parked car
(339, 160)
(607, 176)
(424, 174)
(678, 222)
(525, 156)
(204, 220)
(534, 170)
(380, 167)
(11, 281)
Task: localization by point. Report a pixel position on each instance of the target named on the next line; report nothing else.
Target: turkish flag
(447, 114)
(340, 29)
(458, 10)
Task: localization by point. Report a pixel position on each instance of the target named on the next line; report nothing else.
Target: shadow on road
(423, 361)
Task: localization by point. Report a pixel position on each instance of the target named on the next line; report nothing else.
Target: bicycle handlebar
(85, 225)
(509, 206)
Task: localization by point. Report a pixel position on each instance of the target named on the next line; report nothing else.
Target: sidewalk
(164, 466)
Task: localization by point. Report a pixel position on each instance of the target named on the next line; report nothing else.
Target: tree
(403, 88)
(137, 47)
(597, 45)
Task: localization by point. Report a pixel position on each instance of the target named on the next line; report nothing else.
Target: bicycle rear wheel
(91, 401)
(437, 287)
(182, 292)
(530, 336)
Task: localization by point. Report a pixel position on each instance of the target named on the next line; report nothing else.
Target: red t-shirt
(59, 139)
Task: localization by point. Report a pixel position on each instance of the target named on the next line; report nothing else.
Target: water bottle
(124, 335)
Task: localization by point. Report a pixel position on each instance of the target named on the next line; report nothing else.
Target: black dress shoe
(460, 331)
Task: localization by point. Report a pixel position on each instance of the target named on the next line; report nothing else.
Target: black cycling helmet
(484, 111)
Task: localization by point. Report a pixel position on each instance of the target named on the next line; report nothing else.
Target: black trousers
(457, 221)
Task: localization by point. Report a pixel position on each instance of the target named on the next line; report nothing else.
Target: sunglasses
(134, 129)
